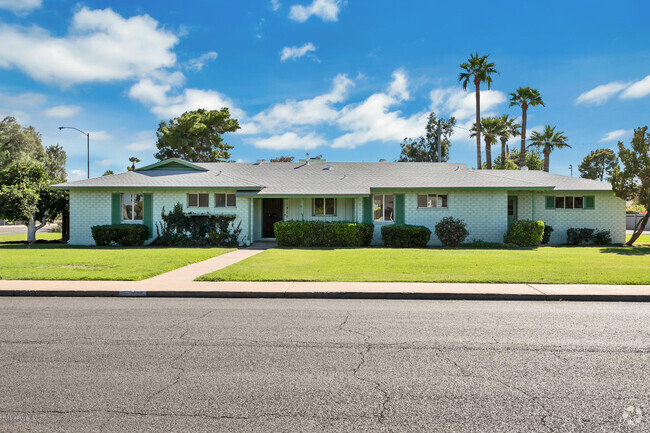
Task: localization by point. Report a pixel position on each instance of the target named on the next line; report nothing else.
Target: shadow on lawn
(627, 251)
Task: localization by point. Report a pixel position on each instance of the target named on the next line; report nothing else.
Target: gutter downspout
(250, 221)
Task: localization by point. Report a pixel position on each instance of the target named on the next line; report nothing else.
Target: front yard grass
(566, 265)
(641, 240)
(23, 237)
(62, 262)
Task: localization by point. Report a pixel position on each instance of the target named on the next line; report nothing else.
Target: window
(132, 207)
(384, 207)
(324, 207)
(432, 200)
(225, 200)
(570, 202)
(197, 200)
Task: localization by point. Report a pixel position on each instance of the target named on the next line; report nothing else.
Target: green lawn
(39, 237)
(595, 265)
(62, 262)
(642, 240)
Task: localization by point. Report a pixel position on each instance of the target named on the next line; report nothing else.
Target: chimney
(382, 160)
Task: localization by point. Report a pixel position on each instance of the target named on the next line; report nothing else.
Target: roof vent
(220, 173)
(524, 168)
(328, 167)
(260, 161)
(344, 176)
(382, 160)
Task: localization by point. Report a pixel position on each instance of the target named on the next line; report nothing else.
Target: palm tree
(479, 70)
(509, 129)
(524, 97)
(548, 141)
(492, 129)
(133, 160)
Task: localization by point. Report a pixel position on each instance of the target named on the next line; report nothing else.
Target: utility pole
(438, 141)
(571, 168)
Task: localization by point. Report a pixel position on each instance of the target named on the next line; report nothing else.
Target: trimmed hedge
(451, 231)
(405, 236)
(602, 237)
(178, 228)
(322, 234)
(576, 236)
(126, 235)
(546, 237)
(525, 233)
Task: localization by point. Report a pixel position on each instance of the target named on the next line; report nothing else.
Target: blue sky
(345, 79)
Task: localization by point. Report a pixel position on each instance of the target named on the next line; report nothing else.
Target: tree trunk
(638, 230)
(547, 159)
(32, 228)
(503, 153)
(478, 124)
(488, 153)
(522, 154)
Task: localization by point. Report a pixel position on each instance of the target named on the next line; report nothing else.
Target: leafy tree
(17, 142)
(479, 70)
(283, 159)
(509, 129)
(54, 161)
(533, 161)
(632, 181)
(425, 147)
(524, 97)
(598, 164)
(548, 140)
(108, 173)
(195, 136)
(491, 127)
(25, 195)
(133, 160)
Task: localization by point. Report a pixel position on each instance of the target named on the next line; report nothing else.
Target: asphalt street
(231, 365)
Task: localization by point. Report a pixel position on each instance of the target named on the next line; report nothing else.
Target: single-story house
(260, 194)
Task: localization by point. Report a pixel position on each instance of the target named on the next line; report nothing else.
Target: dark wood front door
(512, 210)
(271, 214)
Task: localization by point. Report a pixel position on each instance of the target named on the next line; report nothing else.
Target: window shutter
(367, 210)
(399, 209)
(550, 202)
(116, 208)
(147, 217)
(590, 202)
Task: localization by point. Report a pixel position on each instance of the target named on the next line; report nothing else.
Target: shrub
(525, 233)
(322, 234)
(602, 237)
(126, 235)
(546, 237)
(577, 236)
(405, 236)
(451, 231)
(182, 229)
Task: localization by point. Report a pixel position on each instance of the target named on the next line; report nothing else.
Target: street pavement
(308, 365)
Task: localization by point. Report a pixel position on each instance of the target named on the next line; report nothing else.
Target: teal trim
(590, 202)
(399, 209)
(550, 202)
(147, 216)
(250, 221)
(164, 188)
(172, 164)
(367, 210)
(116, 208)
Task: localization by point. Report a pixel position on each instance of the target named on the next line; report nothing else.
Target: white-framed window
(225, 200)
(132, 207)
(324, 207)
(198, 200)
(384, 207)
(569, 202)
(432, 201)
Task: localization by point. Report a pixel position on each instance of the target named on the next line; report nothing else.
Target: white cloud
(615, 135)
(143, 140)
(22, 100)
(399, 86)
(275, 5)
(99, 135)
(638, 89)
(20, 6)
(601, 94)
(76, 175)
(198, 63)
(462, 104)
(101, 45)
(327, 10)
(289, 140)
(294, 53)
(62, 111)
(106, 162)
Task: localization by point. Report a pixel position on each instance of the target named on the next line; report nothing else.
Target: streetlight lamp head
(60, 128)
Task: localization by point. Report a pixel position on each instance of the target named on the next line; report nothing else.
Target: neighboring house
(262, 193)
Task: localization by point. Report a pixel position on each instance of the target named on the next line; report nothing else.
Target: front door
(512, 210)
(271, 214)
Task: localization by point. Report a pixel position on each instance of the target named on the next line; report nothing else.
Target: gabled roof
(335, 178)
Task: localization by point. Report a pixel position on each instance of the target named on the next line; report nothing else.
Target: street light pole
(87, 134)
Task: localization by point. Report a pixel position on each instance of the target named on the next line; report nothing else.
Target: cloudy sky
(345, 79)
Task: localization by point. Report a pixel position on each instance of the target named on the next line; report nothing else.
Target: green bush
(525, 233)
(126, 235)
(405, 236)
(546, 237)
(451, 231)
(602, 237)
(577, 236)
(322, 234)
(185, 229)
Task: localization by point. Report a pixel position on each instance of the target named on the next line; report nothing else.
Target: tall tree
(598, 164)
(108, 173)
(632, 181)
(17, 142)
(133, 160)
(283, 159)
(195, 136)
(54, 160)
(425, 148)
(525, 97)
(491, 127)
(533, 161)
(548, 140)
(479, 70)
(509, 129)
